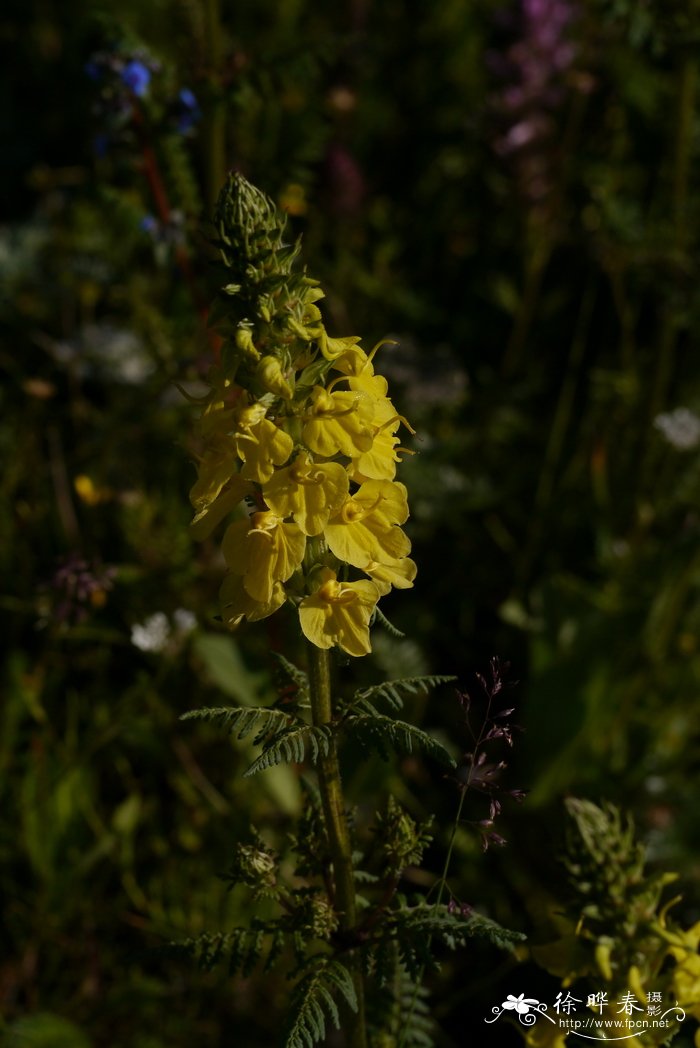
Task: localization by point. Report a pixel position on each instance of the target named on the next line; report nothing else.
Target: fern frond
(394, 691)
(242, 720)
(313, 1002)
(290, 746)
(291, 674)
(379, 732)
(391, 629)
(417, 928)
(242, 948)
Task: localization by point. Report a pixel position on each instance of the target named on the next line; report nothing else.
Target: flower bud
(244, 342)
(270, 375)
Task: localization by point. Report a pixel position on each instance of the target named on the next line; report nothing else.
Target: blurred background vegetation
(508, 190)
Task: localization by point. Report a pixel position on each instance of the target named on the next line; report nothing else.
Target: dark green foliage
(314, 1002)
(241, 950)
(293, 745)
(394, 691)
(376, 732)
(416, 930)
(401, 1012)
(241, 721)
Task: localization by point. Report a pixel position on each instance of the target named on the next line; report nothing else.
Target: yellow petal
(264, 551)
(237, 604)
(338, 422)
(307, 491)
(397, 573)
(214, 512)
(339, 613)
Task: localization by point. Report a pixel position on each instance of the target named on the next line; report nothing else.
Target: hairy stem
(331, 789)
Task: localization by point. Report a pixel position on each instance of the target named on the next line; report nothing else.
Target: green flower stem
(337, 828)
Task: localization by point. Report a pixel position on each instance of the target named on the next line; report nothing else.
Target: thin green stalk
(214, 125)
(442, 884)
(333, 802)
(557, 435)
(526, 309)
(671, 322)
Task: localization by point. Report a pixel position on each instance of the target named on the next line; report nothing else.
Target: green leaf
(226, 668)
(45, 1030)
(241, 721)
(378, 732)
(313, 1001)
(394, 691)
(291, 745)
(379, 616)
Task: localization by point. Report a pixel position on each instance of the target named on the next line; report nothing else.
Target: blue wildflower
(136, 76)
(188, 112)
(93, 70)
(100, 144)
(149, 225)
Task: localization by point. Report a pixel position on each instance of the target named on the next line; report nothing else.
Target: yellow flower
(217, 467)
(338, 422)
(364, 529)
(264, 551)
(546, 1035)
(379, 462)
(685, 977)
(211, 511)
(359, 370)
(260, 444)
(237, 604)
(339, 613)
(332, 348)
(308, 492)
(398, 573)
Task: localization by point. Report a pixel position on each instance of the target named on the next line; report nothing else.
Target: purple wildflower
(537, 67)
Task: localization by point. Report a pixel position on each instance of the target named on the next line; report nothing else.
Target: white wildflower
(153, 634)
(680, 427)
(185, 621)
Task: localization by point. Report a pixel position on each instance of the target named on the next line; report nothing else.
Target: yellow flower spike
(397, 573)
(339, 613)
(307, 491)
(237, 604)
(264, 550)
(364, 529)
(211, 513)
(338, 422)
(260, 444)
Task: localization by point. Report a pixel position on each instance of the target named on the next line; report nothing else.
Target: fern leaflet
(313, 1001)
(291, 744)
(291, 674)
(383, 732)
(242, 720)
(380, 617)
(394, 691)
